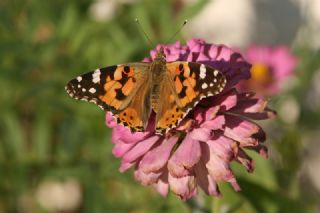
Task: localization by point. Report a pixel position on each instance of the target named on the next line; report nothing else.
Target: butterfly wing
(120, 89)
(188, 82)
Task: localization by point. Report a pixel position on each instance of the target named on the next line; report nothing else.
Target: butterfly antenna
(174, 35)
(145, 34)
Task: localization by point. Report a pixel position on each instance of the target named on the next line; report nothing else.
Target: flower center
(261, 75)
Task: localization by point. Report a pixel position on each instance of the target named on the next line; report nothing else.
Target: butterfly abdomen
(155, 97)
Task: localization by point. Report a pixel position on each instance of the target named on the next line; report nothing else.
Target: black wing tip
(70, 89)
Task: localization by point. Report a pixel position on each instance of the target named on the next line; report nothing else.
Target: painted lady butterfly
(131, 91)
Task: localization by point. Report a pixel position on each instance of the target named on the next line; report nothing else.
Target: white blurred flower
(312, 159)
(310, 11)
(105, 10)
(224, 21)
(59, 196)
(289, 110)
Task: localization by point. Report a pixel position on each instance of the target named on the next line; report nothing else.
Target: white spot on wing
(83, 90)
(215, 73)
(96, 76)
(202, 71)
(204, 86)
(93, 101)
(79, 78)
(92, 90)
(211, 84)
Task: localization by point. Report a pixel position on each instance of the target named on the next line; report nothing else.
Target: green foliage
(44, 135)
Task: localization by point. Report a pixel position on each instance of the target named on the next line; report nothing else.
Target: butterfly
(132, 91)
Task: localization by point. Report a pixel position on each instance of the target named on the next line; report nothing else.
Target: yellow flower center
(261, 76)
(259, 72)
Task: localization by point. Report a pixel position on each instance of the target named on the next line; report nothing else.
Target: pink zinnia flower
(271, 67)
(199, 151)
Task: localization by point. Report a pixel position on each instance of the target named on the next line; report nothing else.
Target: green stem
(215, 205)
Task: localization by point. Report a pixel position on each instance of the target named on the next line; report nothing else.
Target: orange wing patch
(169, 114)
(184, 82)
(110, 95)
(118, 86)
(171, 118)
(130, 118)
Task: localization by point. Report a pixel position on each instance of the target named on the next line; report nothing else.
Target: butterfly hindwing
(169, 114)
(135, 115)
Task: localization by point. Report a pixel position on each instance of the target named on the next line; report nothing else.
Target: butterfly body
(132, 91)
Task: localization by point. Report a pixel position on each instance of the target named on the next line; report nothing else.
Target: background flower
(200, 150)
(271, 68)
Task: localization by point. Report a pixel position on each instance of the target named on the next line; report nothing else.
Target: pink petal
(250, 105)
(215, 124)
(267, 114)
(222, 147)
(156, 158)
(199, 114)
(211, 113)
(126, 165)
(219, 169)
(241, 130)
(146, 178)
(200, 134)
(121, 148)
(245, 160)
(184, 187)
(227, 101)
(162, 186)
(110, 120)
(140, 148)
(185, 157)
(261, 149)
(126, 136)
(205, 181)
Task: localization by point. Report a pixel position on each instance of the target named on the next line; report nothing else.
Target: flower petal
(245, 160)
(121, 148)
(241, 130)
(200, 134)
(156, 158)
(126, 136)
(184, 187)
(215, 124)
(162, 186)
(222, 147)
(146, 178)
(140, 148)
(211, 113)
(219, 169)
(227, 100)
(110, 120)
(125, 165)
(185, 157)
(204, 179)
(250, 105)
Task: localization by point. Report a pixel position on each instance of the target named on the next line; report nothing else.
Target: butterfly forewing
(111, 88)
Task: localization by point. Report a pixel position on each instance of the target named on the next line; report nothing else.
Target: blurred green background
(55, 153)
